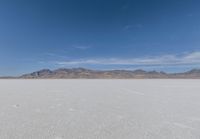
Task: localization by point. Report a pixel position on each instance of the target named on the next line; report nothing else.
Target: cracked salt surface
(99, 109)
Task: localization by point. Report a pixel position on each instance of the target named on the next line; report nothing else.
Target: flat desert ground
(100, 109)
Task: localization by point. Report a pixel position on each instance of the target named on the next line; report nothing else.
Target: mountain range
(82, 73)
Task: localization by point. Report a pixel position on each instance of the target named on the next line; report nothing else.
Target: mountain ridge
(83, 73)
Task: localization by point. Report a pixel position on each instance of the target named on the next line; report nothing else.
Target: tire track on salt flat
(132, 91)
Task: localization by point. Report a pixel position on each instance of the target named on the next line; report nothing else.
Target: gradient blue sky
(99, 34)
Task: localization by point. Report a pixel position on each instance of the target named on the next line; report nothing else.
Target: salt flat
(100, 109)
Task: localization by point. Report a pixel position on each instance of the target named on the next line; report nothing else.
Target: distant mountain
(193, 74)
(76, 73)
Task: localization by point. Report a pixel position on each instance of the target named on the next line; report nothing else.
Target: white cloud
(193, 56)
(82, 47)
(169, 60)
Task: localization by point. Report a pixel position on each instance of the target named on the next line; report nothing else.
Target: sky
(161, 35)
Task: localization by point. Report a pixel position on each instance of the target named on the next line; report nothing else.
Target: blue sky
(99, 34)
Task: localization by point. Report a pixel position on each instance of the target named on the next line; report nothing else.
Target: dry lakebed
(100, 109)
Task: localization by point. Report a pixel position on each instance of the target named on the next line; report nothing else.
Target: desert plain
(100, 109)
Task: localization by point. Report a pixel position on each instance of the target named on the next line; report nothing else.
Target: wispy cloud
(128, 27)
(82, 47)
(189, 15)
(125, 6)
(164, 60)
(55, 55)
